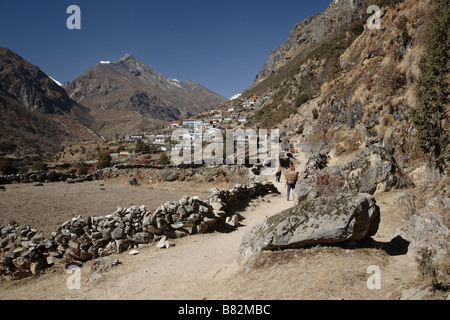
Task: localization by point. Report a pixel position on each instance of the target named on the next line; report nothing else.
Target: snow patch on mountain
(56, 81)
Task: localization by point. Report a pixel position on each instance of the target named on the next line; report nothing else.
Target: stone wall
(24, 251)
(37, 176)
(155, 173)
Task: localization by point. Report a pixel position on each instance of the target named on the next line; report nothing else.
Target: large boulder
(325, 220)
(171, 176)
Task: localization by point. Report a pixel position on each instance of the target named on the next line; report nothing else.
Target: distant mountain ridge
(129, 85)
(39, 114)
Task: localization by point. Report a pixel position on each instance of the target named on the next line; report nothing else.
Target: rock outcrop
(372, 169)
(311, 32)
(369, 102)
(325, 220)
(427, 228)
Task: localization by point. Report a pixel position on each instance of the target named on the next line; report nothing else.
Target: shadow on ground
(396, 247)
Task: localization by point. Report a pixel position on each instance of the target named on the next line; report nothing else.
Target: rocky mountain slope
(123, 97)
(311, 32)
(360, 89)
(370, 101)
(32, 87)
(36, 115)
(355, 89)
(131, 88)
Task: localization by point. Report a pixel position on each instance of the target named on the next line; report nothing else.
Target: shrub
(388, 3)
(6, 168)
(82, 170)
(141, 146)
(40, 166)
(301, 99)
(104, 161)
(429, 268)
(391, 79)
(164, 160)
(357, 27)
(23, 170)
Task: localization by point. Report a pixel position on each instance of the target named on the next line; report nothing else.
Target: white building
(160, 139)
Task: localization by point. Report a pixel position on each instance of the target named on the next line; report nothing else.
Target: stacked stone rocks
(21, 249)
(38, 176)
(24, 251)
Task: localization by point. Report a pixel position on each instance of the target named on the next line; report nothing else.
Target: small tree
(301, 99)
(83, 169)
(164, 160)
(141, 146)
(104, 161)
(40, 166)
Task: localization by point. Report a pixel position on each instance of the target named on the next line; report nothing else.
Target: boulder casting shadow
(325, 220)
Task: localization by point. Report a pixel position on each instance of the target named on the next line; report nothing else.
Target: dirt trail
(188, 270)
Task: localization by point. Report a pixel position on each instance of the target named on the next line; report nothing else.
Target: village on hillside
(231, 115)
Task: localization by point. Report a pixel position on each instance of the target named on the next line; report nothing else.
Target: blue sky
(219, 44)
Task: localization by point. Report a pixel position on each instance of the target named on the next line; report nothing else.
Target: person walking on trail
(291, 180)
(278, 171)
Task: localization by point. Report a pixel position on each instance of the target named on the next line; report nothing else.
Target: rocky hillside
(362, 89)
(24, 133)
(354, 89)
(119, 98)
(32, 87)
(36, 114)
(370, 101)
(311, 32)
(133, 89)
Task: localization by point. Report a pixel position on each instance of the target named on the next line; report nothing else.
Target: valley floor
(206, 267)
